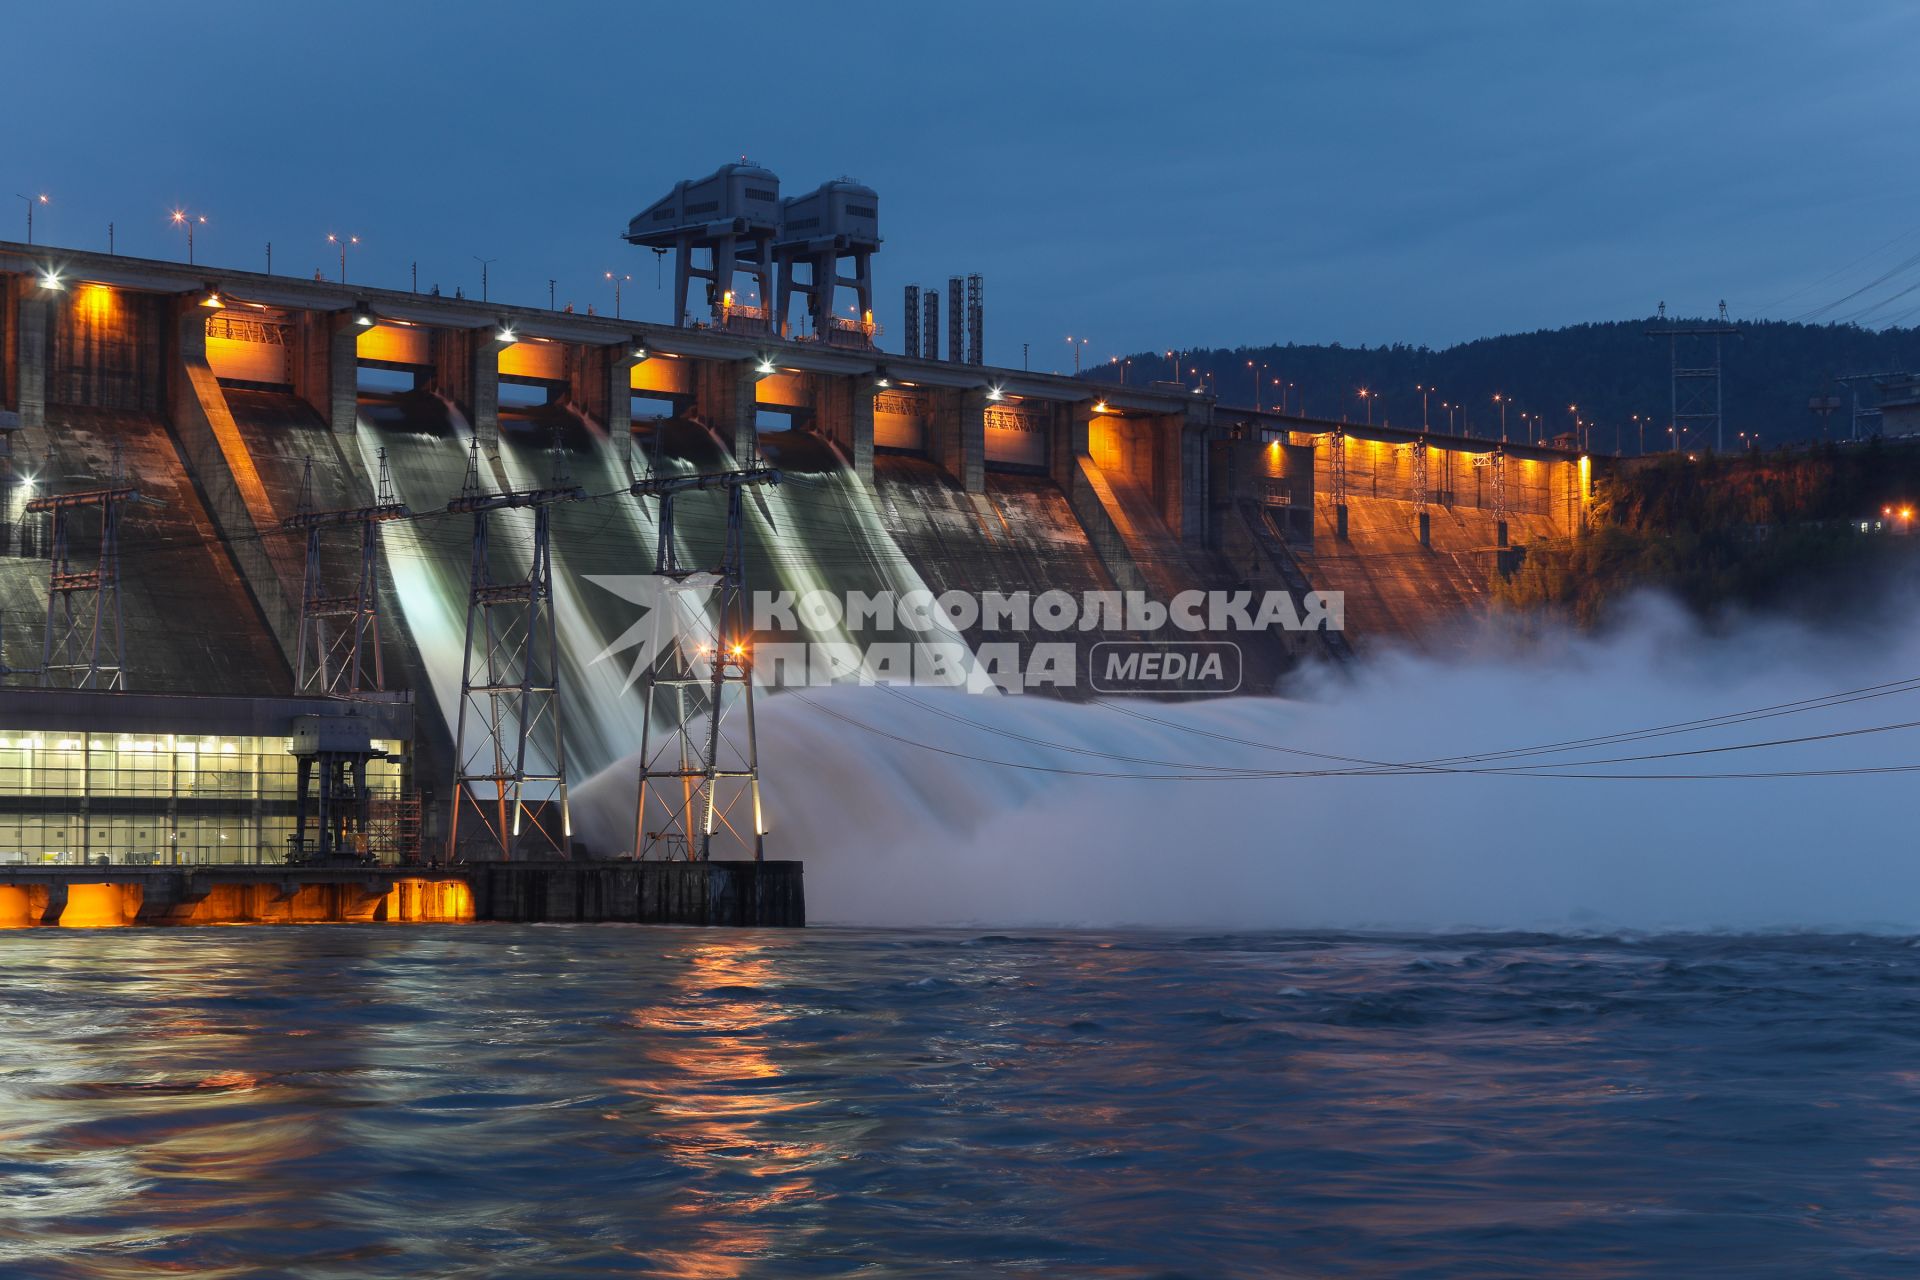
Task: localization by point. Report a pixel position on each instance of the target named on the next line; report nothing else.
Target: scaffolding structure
(510, 757)
(699, 780)
(85, 641)
(339, 636)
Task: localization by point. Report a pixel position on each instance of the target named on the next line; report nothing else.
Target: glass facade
(156, 799)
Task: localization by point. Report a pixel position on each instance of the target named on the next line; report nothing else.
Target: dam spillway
(234, 397)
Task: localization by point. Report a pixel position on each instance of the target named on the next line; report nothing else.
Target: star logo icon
(670, 611)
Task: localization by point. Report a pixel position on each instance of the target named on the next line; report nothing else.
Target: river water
(562, 1101)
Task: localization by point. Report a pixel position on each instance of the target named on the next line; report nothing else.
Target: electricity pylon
(706, 782)
(510, 701)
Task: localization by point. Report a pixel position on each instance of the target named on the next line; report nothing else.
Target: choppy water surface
(584, 1101)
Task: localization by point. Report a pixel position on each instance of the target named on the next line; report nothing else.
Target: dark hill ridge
(1611, 371)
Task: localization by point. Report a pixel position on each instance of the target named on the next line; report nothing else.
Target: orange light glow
(96, 906)
(16, 906)
(95, 304)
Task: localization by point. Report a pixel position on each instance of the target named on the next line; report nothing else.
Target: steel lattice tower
(85, 642)
(510, 700)
(1696, 395)
(1337, 464)
(705, 781)
(338, 632)
(1496, 465)
(956, 320)
(1417, 453)
(976, 320)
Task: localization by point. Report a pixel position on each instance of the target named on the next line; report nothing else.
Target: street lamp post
(1366, 399)
(1424, 391)
(344, 242)
(181, 218)
(1258, 377)
(1077, 346)
(484, 264)
(30, 202)
(1502, 402)
(617, 281)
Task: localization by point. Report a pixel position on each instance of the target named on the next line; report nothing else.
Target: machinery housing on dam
(275, 549)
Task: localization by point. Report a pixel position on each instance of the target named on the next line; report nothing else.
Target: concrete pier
(747, 894)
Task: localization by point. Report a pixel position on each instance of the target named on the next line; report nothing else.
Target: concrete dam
(184, 444)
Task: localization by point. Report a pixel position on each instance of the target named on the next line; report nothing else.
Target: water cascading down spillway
(820, 532)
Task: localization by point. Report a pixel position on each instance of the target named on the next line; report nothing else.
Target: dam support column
(860, 427)
(589, 386)
(960, 437)
(327, 370)
(483, 377)
(33, 320)
(216, 457)
(1188, 485)
(618, 388)
(724, 398)
(342, 385)
(1072, 432)
(843, 413)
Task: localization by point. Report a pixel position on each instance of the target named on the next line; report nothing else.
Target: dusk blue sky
(1144, 175)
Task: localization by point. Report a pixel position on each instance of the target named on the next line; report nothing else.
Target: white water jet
(895, 832)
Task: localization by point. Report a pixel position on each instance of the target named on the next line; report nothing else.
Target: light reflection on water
(604, 1100)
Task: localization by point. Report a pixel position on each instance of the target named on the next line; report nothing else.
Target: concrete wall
(394, 344)
(29, 349)
(236, 500)
(902, 419)
(761, 894)
(741, 894)
(105, 348)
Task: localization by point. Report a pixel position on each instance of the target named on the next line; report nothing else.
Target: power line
(1864, 770)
